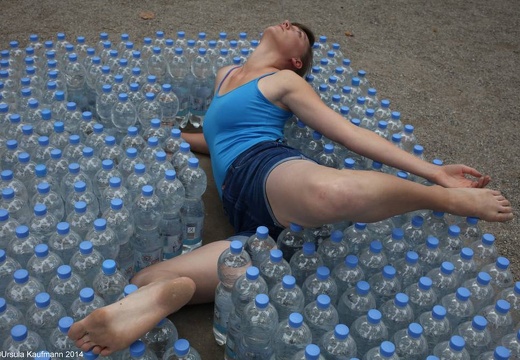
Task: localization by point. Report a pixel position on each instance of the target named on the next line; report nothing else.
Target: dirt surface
(450, 67)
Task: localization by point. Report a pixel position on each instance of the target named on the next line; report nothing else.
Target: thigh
(294, 190)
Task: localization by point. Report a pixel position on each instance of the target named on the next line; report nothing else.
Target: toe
(77, 331)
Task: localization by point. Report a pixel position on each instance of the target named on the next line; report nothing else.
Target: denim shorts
(243, 192)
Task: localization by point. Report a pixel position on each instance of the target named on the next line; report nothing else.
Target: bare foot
(116, 326)
(486, 204)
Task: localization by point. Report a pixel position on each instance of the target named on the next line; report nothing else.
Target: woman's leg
(309, 194)
(163, 289)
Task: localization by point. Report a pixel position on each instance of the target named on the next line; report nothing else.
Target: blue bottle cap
(309, 248)
(502, 306)
(501, 353)
(288, 282)
(86, 294)
(387, 348)
(41, 250)
(64, 271)
(236, 247)
(351, 261)
(130, 288)
(252, 273)
(362, 287)
(488, 239)
(312, 352)
(412, 257)
(295, 320)
(19, 332)
(137, 349)
(483, 278)
(425, 283)
(261, 301)
(457, 343)
(374, 316)
(454, 230)
(479, 322)
(376, 246)
(295, 227)
(109, 267)
(389, 271)
(401, 299)
(502, 263)
(341, 331)
(447, 267)
(323, 301)
(322, 273)
(65, 323)
(415, 330)
(466, 253)
(276, 255)
(86, 247)
(463, 294)
(181, 347)
(439, 312)
(432, 242)
(42, 300)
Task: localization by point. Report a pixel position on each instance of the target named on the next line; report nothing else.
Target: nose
(286, 24)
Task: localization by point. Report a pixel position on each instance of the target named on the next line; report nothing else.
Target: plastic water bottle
(105, 101)
(369, 331)
(430, 254)
(414, 232)
(347, 274)
(58, 339)
(86, 262)
(51, 199)
(149, 109)
(410, 343)
(395, 246)
(458, 306)
(258, 324)
(470, 230)
(291, 336)
(9, 181)
(338, 344)
(320, 283)
(87, 302)
(22, 248)
(8, 227)
(74, 149)
(436, 224)
(43, 264)
(291, 240)
(43, 223)
(465, 267)
(499, 353)
(512, 296)
(408, 269)
(385, 285)
(109, 282)
(372, 259)
(7, 268)
(181, 350)
(444, 278)
(43, 315)
(501, 277)
(232, 263)
(311, 352)
(334, 249)
(115, 190)
(452, 349)
(484, 250)
(23, 341)
(65, 286)
(111, 150)
(328, 157)
(500, 321)
(476, 335)
(9, 317)
(259, 245)
(355, 302)
(482, 293)
(170, 105)
(17, 206)
(512, 342)
(156, 130)
(74, 175)
(138, 351)
(192, 217)
(147, 212)
(305, 262)
(123, 114)
(104, 239)
(135, 181)
(384, 351)
(126, 166)
(422, 295)
(397, 313)
(321, 316)
(436, 326)
(161, 337)
(298, 135)
(287, 297)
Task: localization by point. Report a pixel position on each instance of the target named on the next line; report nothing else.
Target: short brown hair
(307, 58)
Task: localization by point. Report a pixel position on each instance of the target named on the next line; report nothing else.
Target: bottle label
(145, 259)
(192, 234)
(173, 246)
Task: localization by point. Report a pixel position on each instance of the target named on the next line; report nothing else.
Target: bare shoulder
(281, 83)
(223, 71)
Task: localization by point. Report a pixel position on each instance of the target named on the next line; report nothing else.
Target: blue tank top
(237, 120)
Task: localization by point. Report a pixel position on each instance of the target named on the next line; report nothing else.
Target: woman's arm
(197, 142)
(302, 100)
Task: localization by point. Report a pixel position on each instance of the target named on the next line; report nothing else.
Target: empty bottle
(384, 351)
(43, 315)
(414, 233)
(43, 264)
(452, 349)
(347, 274)
(372, 259)
(291, 336)
(21, 248)
(181, 350)
(9, 317)
(58, 339)
(444, 279)
(436, 326)
(476, 335)
(321, 316)
(430, 254)
(369, 331)
(410, 344)
(259, 245)
(291, 239)
(86, 262)
(23, 341)
(501, 277)
(338, 344)
(482, 293)
(458, 306)
(320, 283)
(334, 249)
(395, 246)
(470, 230)
(500, 322)
(484, 250)
(109, 283)
(161, 337)
(86, 303)
(422, 295)
(397, 313)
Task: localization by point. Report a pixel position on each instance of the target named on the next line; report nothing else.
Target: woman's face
(291, 39)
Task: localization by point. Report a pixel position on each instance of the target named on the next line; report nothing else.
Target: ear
(296, 63)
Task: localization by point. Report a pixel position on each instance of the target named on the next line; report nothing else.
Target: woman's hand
(460, 176)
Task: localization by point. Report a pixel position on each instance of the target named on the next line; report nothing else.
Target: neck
(265, 59)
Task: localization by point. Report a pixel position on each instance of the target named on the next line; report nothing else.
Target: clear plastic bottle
(232, 263)
(386, 350)
(501, 277)
(397, 313)
(291, 240)
(161, 337)
(500, 321)
(328, 157)
(81, 220)
(444, 278)
(65, 286)
(115, 190)
(512, 296)
(458, 306)
(372, 259)
(170, 105)
(9, 181)
(499, 353)
(7, 268)
(470, 230)
(338, 344)
(258, 324)
(23, 341)
(42, 224)
(192, 217)
(465, 266)
(452, 349)
(86, 262)
(111, 150)
(43, 315)
(476, 335)
(147, 212)
(86, 303)
(436, 326)
(436, 224)
(138, 351)
(291, 336)
(320, 283)
(334, 249)
(485, 251)
(181, 350)
(347, 274)
(17, 206)
(430, 254)
(9, 317)
(22, 247)
(512, 342)
(8, 227)
(135, 181)
(274, 268)
(109, 283)
(74, 175)
(395, 246)
(43, 264)
(59, 342)
(123, 114)
(385, 285)
(181, 157)
(305, 262)
(155, 129)
(482, 293)
(41, 176)
(369, 331)
(259, 245)
(410, 343)
(51, 199)
(105, 101)
(311, 352)
(422, 295)
(287, 297)
(74, 149)
(408, 269)
(355, 302)
(172, 144)
(149, 109)
(321, 316)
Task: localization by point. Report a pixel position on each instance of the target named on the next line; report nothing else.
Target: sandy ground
(450, 67)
